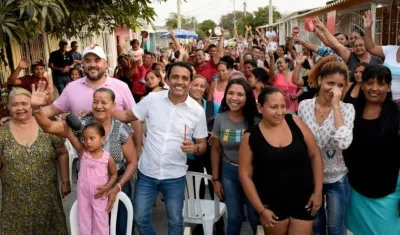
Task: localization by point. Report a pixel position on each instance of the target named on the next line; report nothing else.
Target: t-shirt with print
(230, 135)
(390, 53)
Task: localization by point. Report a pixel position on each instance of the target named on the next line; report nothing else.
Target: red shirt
(147, 68)
(138, 84)
(28, 80)
(207, 70)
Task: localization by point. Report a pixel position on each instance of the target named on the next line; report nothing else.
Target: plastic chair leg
(208, 226)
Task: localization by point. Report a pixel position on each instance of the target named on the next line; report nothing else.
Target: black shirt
(372, 159)
(280, 173)
(60, 60)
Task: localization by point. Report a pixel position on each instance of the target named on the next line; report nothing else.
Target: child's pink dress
(92, 215)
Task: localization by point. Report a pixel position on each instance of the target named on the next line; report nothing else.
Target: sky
(214, 9)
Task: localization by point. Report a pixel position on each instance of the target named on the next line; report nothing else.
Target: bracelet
(265, 207)
(37, 110)
(119, 186)
(214, 180)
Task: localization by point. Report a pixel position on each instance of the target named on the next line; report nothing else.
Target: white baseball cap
(95, 49)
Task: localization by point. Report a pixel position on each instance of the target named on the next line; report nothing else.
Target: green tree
(243, 21)
(172, 21)
(204, 27)
(23, 19)
(226, 21)
(261, 16)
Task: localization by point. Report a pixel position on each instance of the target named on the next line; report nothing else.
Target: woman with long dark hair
(373, 158)
(237, 114)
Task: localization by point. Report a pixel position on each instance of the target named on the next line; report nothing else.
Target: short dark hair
(108, 91)
(73, 43)
(265, 92)
(134, 41)
(180, 64)
(96, 126)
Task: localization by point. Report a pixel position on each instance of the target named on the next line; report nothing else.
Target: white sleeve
(141, 109)
(200, 130)
(389, 49)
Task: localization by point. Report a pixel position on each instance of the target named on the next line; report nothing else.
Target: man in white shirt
(173, 120)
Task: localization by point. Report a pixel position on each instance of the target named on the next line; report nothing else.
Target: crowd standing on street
(298, 141)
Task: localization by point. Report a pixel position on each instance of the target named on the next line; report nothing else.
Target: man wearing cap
(38, 69)
(78, 95)
(60, 62)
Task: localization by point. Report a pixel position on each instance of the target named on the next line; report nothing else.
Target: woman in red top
(138, 82)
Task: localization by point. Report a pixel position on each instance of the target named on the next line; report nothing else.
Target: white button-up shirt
(167, 125)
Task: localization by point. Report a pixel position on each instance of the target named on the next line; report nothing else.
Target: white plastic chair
(72, 155)
(121, 196)
(201, 211)
(260, 230)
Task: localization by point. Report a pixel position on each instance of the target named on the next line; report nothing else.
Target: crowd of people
(305, 140)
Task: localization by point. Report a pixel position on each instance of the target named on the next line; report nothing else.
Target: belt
(230, 162)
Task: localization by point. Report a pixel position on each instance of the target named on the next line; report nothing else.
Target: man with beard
(78, 95)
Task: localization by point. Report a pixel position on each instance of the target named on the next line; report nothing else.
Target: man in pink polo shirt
(78, 95)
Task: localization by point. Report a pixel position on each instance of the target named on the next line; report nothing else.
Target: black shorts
(293, 207)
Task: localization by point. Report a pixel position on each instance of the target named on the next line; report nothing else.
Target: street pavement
(159, 216)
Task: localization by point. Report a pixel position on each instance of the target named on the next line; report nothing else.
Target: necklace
(321, 112)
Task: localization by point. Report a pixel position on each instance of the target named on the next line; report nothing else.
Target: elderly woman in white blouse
(331, 122)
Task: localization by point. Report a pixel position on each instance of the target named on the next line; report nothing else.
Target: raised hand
(368, 21)
(23, 64)
(319, 25)
(40, 94)
(336, 93)
(300, 58)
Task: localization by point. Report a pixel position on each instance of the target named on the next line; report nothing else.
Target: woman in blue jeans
(237, 113)
(331, 122)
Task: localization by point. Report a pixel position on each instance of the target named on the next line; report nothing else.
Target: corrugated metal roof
(337, 5)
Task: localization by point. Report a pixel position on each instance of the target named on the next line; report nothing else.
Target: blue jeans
(146, 191)
(60, 82)
(235, 201)
(337, 197)
(122, 214)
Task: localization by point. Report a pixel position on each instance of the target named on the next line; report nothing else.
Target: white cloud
(214, 9)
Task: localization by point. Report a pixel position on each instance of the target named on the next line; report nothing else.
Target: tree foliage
(186, 22)
(204, 27)
(23, 19)
(257, 18)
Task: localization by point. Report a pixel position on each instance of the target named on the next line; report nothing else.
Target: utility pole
(271, 21)
(234, 14)
(244, 6)
(179, 14)
(194, 23)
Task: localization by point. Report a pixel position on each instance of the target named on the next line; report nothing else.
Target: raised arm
(296, 79)
(368, 41)
(341, 50)
(13, 79)
(272, 73)
(311, 47)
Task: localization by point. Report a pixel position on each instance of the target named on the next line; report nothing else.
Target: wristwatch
(196, 148)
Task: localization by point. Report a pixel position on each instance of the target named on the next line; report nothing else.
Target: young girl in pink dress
(94, 182)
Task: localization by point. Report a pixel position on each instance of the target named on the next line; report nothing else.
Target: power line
(200, 8)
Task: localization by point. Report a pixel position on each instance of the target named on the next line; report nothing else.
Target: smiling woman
(28, 172)
(118, 143)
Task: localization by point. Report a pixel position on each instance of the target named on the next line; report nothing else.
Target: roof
(335, 6)
(287, 17)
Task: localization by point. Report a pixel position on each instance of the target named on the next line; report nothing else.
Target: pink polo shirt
(78, 96)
